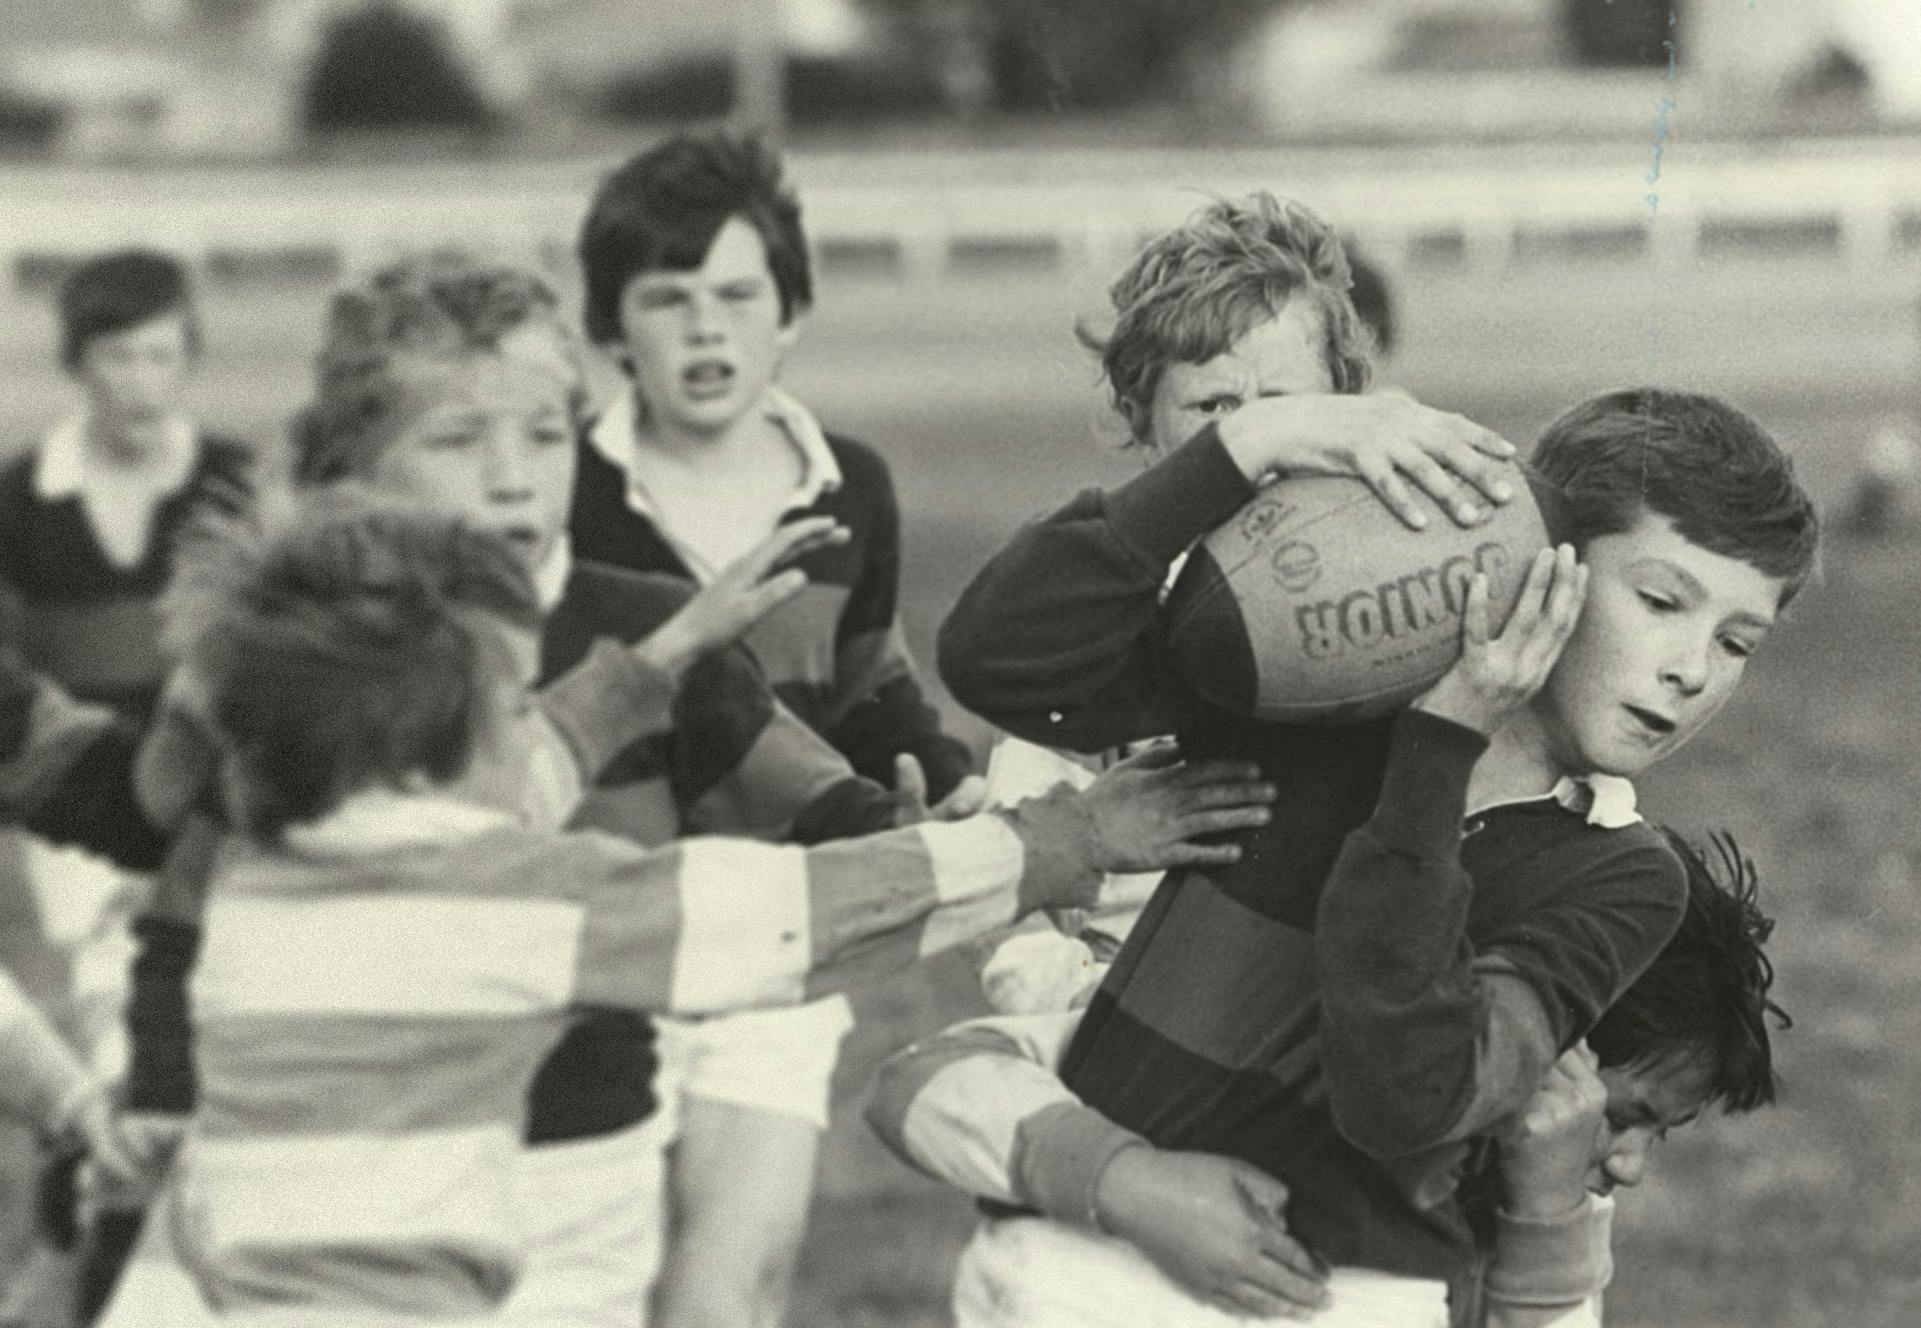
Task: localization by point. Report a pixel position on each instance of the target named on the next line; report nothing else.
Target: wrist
(1064, 853)
(1110, 1203)
(1533, 1200)
(1255, 445)
(666, 650)
(1459, 705)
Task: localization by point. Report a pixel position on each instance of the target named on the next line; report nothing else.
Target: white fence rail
(949, 215)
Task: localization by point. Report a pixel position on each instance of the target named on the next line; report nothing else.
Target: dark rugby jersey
(835, 653)
(1366, 988)
(90, 625)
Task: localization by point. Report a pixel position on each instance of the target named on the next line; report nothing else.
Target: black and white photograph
(960, 663)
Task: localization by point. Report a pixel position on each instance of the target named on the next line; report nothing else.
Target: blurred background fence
(904, 216)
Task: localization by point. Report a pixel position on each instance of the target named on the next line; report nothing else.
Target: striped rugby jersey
(981, 1106)
(728, 759)
(834, 653)
(1377, 977)
(374, 994)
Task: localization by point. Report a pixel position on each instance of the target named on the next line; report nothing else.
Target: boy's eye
(741, 290)
(1659, 602)
(447, 442)
(1225, 403)
(1738, 648)
(660, 297)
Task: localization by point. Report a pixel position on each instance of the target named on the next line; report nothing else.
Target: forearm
(1550, 1273)
(711, 925)
(606, 704)
(42, 1081)
(1055, 638)
(982, 1107)
(745, 764)
(893, 718)
(68, 774)
(1411, 1035)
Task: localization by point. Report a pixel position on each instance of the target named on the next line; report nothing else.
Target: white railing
(921, 218)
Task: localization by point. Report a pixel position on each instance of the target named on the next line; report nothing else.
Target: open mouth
(707, 378)
(1658, 724)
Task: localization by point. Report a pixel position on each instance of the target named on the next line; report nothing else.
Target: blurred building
(1550, 68)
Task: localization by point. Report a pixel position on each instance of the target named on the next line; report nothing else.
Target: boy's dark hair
(663, 208)
(1704, 1001)
(357, 647)
(1373, 301)
(1716, 474)
(120, 290)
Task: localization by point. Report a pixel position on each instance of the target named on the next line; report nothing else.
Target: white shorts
(777, 1061)
(1031, 1272)
(592, 1227)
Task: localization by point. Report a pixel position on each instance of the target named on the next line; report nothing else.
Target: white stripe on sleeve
(746, 933)
(979, 859)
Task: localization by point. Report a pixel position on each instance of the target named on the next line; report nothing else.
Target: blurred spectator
(89, 519)
(387, 67)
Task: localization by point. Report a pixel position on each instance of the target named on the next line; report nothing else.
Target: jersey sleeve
(1550, 1274)
(67, 771)
(744, 764)
(41, 1079)
(710, 925)
(880, 708)
(1424, 1039)
(982, 1107)
(1057, 639)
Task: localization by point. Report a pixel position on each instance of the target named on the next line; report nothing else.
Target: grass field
(1806, 1215)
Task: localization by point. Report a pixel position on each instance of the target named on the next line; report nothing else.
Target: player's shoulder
(1639, 862)
(861, 464)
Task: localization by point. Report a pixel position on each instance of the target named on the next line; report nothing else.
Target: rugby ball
(1315, 604)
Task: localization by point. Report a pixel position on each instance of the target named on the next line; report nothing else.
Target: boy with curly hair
(1448, 898)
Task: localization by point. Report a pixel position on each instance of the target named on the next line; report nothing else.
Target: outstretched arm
(982, 1107)
(713, 924)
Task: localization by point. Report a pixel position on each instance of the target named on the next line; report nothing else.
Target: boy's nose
(703, 320)
(1687, 668)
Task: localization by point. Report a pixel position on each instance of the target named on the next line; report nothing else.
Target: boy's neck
(128, 449)
(752, 435)
(1519, 763)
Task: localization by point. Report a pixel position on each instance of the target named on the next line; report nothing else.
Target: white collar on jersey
(550, 578)
(379, 820)
(613, 436)
(61, 469)
(1607, 801)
